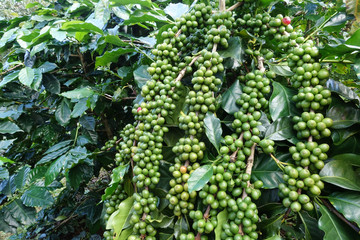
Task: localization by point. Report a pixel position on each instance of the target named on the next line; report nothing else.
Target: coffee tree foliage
(133, 119)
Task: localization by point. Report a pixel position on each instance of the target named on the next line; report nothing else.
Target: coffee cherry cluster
(315, 98)
(180, 200)
(253, 97)
(126, 146)
(110, 144)
(312, 124)
(112, 203)
(297, 181)
(144, 204)
(242, 219)
(309, 154)
(219, 33)
(302, 60)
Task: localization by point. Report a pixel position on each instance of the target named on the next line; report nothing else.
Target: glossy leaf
(348, 203)
(63, 112)
(80, 26)
(176, 10)
(340, 88)
(281, 70)
(117, 219)
(37, 197)
(271, 226)
(343, 116)
(181, 226)
(213, 129)
(79, 108)
(228, 101)
(353, 159)
(78, 93)
(341, 173)
(21, 177)
(235, 51)
(27, 76)
(141, 76)
(25, 215)
(200, 177)
(280, 103)
(54, 169)
(341, 135)
(9, 78)
(310, 225)
(112, 56)
(280, 129)
(145, 3)
(9, 127)
(266, 170)
(118, 173)
(333, 227)
(139, 16)
(221, 219)
(47, 67)
(51, 83)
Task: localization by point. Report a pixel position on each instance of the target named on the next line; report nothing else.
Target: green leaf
(341, 135)
(5, 160)
(348, 203)
(78, 93)
(228, 101)
(109, 191)
(280, 129)
(51, 83)
(5, 144)
(266, 170)
(176, 10)
(281, 70)
(333, 227)
(112, 56)
(213, 129)
(181, 226)
(115, 40)
(141, 75)
(271, 227)
(58, 146)
(311, 228)
(87, 122)
(343, 115)
(145, 3)
(125, 234)
(139, 16)
(21, 177)
(37, 197)
(47, 67)
(80, 26)
(9, 78)
(58, 34)
(340, 173)
(235, 51)
(63, 112)
(4, 173)
(79, 108)
(280, 103)
(54, 169)
(118, 173)
(9, 127)
(221, 219)
(77, 174)
(25, 215)
(7, 36)
(340, 88)
(26, 76)
(200, 177)
(353, 159)
(118, 218)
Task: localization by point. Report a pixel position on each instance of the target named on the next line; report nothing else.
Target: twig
(233, 7)
(222, 6)
(83, 63)
(9, 70)
(286, 215)
(261, 64)
(107, 127)
(249, 165)
(339, 215)
(183, 71)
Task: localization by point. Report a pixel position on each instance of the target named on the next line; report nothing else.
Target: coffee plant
(139, 119)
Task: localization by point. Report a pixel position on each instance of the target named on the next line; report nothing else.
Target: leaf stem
(320, 27)
(339, 215)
